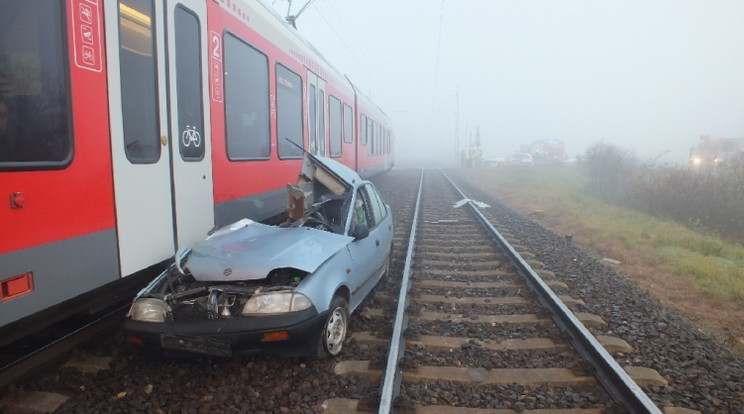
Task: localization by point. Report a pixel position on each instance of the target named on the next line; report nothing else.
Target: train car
(131, 128)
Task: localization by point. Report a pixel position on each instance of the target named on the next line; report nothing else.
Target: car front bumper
(292, 334)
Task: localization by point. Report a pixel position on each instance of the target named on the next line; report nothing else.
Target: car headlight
(149, 310)
(276, 302)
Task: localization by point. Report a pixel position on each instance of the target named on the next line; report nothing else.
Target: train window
(246, 101)
(348, 125)
(139, 91)
(334, 118)
(321, 123)
(35, 114)
(363, 130)
(189, 86)
(375, 130)
(370, 136)
(313, 126)
(378, 136)
(378, 147)
(288, 112)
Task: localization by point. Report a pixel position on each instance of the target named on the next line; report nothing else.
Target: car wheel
(335, 328)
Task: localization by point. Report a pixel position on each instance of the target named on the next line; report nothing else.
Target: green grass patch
(711, 263)
(718, 276)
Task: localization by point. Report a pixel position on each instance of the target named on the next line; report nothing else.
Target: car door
(361, 250)
(365, 252)
(383, 229)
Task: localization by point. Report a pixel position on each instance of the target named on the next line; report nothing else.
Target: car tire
(335, 328)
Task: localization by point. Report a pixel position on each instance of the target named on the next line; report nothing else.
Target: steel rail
(392, 376)
(610, 374)
(62, 346)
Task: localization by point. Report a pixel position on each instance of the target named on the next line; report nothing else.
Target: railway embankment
(697, 274)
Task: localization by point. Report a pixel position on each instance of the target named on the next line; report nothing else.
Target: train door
(191, 146)
(316, 114)
(154, 157)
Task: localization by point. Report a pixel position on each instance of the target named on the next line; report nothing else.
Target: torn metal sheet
(464, 201)
(444, 221)
(333, 168)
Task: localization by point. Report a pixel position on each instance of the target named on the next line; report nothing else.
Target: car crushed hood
(247, 250)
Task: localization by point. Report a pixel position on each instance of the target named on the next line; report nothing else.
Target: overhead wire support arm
(293, 18)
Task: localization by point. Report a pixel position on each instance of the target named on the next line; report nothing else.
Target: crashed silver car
(287, 289)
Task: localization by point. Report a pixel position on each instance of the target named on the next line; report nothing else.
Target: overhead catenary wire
(351, 51)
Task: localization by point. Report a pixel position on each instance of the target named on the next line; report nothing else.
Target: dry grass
(700, 275)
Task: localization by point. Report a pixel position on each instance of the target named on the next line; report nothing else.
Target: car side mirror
(360, 231)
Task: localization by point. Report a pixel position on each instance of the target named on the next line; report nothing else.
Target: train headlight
(276, 302)
(149, 310)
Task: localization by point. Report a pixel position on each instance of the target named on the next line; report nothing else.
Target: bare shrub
(607, 168)
(710, 198)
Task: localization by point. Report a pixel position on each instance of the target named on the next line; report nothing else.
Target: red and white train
(130, 128)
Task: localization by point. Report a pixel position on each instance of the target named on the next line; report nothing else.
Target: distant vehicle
(546, 150)
(286, 289)
(497, 162)
(521, 158)
(711, 151)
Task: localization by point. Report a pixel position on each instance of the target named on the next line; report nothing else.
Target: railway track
(52, 346)
(481, 329)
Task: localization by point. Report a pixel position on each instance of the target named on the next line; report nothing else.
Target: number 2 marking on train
(215, 64)
(216, 46)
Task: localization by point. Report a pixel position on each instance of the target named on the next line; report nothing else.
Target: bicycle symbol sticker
(191, 135)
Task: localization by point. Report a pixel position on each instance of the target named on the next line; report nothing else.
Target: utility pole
(457, 126)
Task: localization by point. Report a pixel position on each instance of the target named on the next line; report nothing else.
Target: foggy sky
(649, 76)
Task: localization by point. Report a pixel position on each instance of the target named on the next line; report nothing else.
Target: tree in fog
(607, 167)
